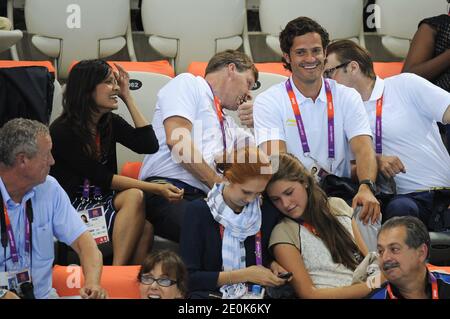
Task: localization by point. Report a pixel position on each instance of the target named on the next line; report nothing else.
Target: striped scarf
(237, 227)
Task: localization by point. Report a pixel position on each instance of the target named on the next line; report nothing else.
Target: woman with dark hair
(224, 237)
(317, 240)
(84, 147)
(163, 275)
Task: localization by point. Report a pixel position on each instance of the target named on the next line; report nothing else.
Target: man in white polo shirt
(321, 122)
(403, 111)
(192, 130)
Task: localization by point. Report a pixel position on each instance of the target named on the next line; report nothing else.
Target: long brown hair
(336, 238)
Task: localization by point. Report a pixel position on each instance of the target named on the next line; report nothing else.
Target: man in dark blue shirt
(403, 248)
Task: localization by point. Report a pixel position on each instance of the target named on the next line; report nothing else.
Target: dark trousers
(167, 217)
(418, 204)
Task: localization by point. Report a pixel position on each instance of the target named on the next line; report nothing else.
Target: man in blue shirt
(35, 210)
(403, 248)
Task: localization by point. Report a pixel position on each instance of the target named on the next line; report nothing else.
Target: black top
(443, 284)
(441, 24)
(201, 244)
(72, 165)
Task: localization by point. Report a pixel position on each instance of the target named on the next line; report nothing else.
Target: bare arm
(366, 168)
(290, 258)
(169, 191)
(255, 274)
(179, 141)
(124, 81)
(420, 58)
(274, 147)
(92, 263)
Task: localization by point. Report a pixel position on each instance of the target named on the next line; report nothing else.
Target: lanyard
(97, 143)
(6, 229)
(378, 126)
(299, 121)
(12, 241)
(309, 227)
(258, 249)
(219, 113)
(86, 189)
(434, 288)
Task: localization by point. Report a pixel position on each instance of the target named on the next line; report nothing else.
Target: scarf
(237, 227)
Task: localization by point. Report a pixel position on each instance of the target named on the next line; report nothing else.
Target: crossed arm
(178, 138)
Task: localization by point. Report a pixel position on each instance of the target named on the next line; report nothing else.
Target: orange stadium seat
(12, 64)
(198, 68)
(387, 69)
(131, 169)
(160, 67)
(119, 281)
(382, 69)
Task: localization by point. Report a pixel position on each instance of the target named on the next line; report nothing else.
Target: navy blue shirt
(201, 245)
(443, 281)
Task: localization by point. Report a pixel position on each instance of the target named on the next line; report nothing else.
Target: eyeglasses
(328, 73)
(163, 282)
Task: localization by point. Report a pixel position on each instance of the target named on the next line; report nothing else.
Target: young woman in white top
(317, 240)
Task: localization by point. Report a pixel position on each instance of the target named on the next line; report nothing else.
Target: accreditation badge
(95, 220)
(4, 280)
(318, 172)
(14, 279)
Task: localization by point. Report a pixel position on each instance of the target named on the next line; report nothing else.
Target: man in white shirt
(403, 111)
(192, 130)
(330, 124)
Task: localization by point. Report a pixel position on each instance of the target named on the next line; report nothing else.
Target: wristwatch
(3, 292)
(372, 186)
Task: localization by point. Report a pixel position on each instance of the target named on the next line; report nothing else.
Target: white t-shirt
(191, 98)
(411, 108)
(274, 119)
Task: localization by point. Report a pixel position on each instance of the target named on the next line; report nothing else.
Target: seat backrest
(398, 32)
(9, 38)
(144, 88)
(440, 248)
(193, 30)
(77, 29)
(342, 19)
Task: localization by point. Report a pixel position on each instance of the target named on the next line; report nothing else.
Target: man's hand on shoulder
(370, 211)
